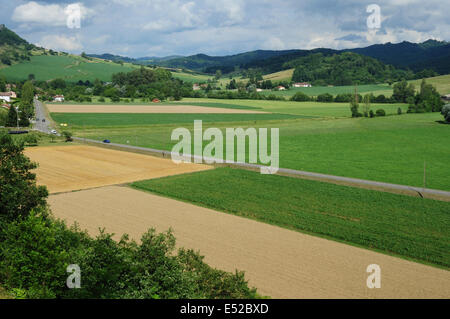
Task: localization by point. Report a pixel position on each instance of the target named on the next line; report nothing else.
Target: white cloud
(54, 15)
(61, 42)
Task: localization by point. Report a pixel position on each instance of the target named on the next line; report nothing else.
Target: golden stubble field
(279, 262)
(172, 109)
(76, 167)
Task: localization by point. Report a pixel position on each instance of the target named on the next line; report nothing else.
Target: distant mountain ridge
(430, 54)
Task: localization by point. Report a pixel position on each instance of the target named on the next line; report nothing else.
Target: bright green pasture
(69, 68)
(390, 149)
(376, 89)
(115, 119)
(406, 226)
(302, 108)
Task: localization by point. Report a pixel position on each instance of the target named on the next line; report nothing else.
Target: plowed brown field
(84, 108)
(279, 262)
(69, 168)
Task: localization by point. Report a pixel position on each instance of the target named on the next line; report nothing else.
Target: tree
(354, 105)
(402, 91)
(446, 112)
(26, 103)
(380, 112)
(218, 75)
(366, 105)
(300, 97)
(11, 120)
(2, 84)
(19, 194)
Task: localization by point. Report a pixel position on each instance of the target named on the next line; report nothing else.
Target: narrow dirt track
(279, 262)
(178, 109)
(69, 168)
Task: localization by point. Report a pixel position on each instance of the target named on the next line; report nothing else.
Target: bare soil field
(177, 109)
(279, 262)
(69, 168)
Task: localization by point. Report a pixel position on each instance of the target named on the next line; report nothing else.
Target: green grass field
(442, 83)
(392, 149)
(405, 226)
(191, 77)
(300, 108)
(115, 119)
(70, 68)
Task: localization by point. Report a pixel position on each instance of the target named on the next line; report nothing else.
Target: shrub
(399, 111)
(325, 97)
(380, 112)
(446, 112)
(300, 97)
(68, 136)
(371, 114)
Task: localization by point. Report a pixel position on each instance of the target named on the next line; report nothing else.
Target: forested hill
(431, 54)
(346, 68)
(13, 49)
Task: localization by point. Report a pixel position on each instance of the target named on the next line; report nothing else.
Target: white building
(58, 98)
(302, 85)
(6, 96)
(281, 88)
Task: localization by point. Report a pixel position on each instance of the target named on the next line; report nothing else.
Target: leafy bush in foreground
(35, 251)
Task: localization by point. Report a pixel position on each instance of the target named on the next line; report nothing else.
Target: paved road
(41, 114)
(423, 192)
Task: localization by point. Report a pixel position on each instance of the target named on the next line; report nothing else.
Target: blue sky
(139, 28)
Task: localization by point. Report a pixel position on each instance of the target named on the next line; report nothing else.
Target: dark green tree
(19, 193)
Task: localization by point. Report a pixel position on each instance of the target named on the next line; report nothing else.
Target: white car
(53, 132)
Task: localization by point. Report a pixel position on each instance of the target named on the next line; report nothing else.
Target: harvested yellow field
(153, 109)
(279, 262)
(285, 75)
(69, 168)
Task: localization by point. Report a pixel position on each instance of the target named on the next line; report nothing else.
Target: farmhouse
(6, 96)
(196, 87)
(280, 88)
(259, 90)
(302, 85)
(58, 98)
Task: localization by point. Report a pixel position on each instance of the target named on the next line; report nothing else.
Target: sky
(145, 28)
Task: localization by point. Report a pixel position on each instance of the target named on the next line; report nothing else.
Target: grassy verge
(400, 225)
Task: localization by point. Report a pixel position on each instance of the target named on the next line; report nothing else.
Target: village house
(6, 96)
(280, 88)
(196, 87)
(6, 106)
(259, 90)
(302, 85)
(58, 98)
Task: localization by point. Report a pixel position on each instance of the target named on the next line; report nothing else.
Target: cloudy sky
(138, 28)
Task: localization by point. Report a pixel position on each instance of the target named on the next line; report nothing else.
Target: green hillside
(70, 68)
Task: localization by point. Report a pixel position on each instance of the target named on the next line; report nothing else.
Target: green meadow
(300, 108)
(376, 89)
(69, 68)
(405, 226)
(390, 149)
